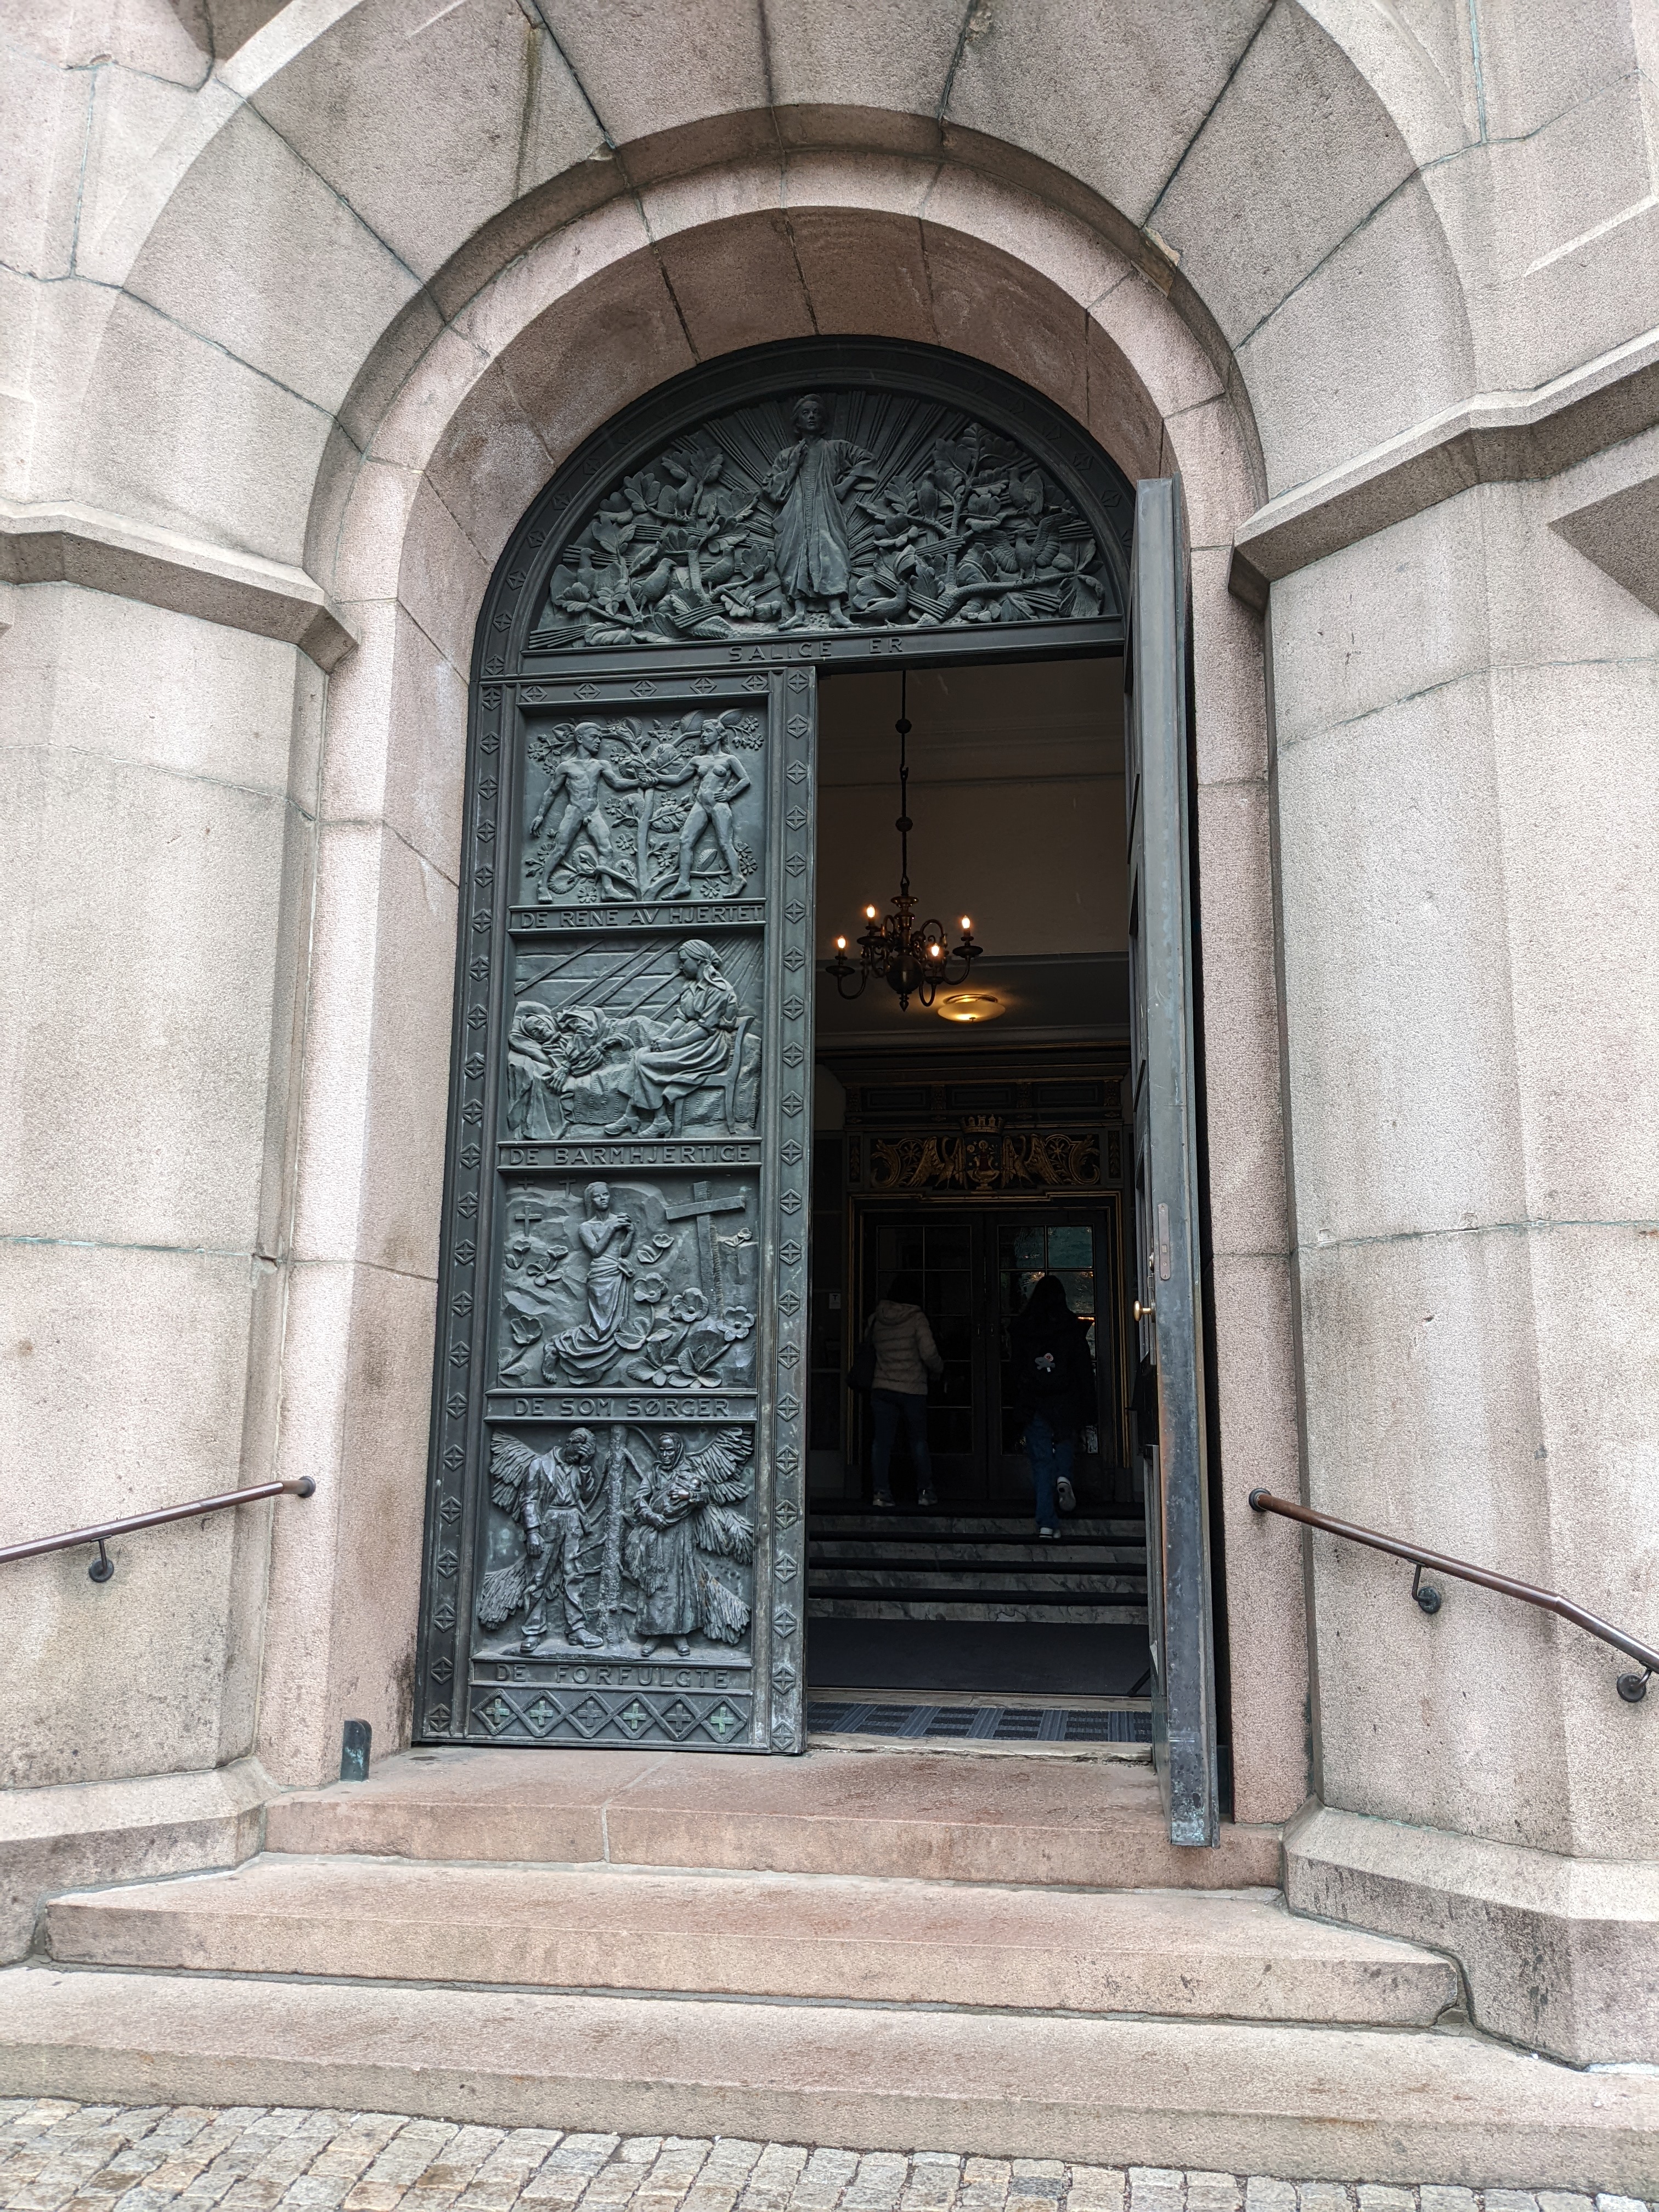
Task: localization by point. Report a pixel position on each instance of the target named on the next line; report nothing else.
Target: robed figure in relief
(811, 480)
(689, 1051)
(684, 1514)
(611, 1328)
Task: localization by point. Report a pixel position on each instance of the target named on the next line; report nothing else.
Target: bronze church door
(629, 1286)
(1171, 1431)
(615, 1534)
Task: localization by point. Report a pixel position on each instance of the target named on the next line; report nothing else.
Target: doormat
(979, 1723)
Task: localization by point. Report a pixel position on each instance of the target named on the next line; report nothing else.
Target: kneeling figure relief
(632, 1285)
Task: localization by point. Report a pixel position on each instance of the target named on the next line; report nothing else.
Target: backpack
(1048, 1365)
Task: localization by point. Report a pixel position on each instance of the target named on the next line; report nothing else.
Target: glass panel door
(1027, 1249)
(976, 1270)
(941, 1251)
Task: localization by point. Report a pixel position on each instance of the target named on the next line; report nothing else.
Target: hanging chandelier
(912, 958)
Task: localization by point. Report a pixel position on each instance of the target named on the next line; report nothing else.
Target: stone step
(825, 1605)
(1417, 2106)
(1030, 1556)
(936, 1815)
(1189, 1953)
(851, 1578)
(911, 1524)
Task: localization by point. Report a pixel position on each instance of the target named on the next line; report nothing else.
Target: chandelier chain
(912, 960)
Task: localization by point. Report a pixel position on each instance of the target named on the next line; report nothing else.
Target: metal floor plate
(986, 1724)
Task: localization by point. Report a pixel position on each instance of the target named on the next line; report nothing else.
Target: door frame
(502, 668)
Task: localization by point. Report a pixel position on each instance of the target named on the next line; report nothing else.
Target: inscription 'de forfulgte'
(832, 510)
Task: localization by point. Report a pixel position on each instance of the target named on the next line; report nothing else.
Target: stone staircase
(914, 1566)
(889, 1949)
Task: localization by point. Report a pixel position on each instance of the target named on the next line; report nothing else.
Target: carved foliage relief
(822, 511)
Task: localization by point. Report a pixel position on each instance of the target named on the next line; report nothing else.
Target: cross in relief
(701, 1210)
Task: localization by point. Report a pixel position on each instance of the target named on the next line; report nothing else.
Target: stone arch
(327, 210)
(404, 531)
(384, 274)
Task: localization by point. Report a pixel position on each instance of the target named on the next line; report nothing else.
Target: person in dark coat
(1054, 1378)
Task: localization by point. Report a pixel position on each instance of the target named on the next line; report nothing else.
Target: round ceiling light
(970, 1007)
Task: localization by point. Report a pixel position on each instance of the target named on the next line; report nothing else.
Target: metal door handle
(1144, 1313)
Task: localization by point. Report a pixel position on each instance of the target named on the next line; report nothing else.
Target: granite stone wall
(299, 313)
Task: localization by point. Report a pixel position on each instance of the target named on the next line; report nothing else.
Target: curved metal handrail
(99, 1533)
(1632, 1688)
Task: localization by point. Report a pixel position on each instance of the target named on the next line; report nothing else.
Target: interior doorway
(971, 1159)
(978, 1267)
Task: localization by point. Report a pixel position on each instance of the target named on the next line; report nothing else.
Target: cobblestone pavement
(61, 2157)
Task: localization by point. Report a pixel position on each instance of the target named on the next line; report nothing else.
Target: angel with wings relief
(684, 1516)
(555, 1497)
(583, 1539)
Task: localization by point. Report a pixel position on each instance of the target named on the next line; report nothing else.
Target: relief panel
(825, 510)
(652, 1036)
(643, 807)
(617, 1539)
(629, 1285)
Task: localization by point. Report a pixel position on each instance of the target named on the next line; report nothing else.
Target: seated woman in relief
(688, 1053)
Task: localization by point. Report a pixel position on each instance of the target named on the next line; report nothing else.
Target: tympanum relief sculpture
(619, 1542)
(630, 1286)
(828, 511)
(652, 1037)
(643, 807)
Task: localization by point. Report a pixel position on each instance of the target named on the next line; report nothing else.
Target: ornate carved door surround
(615, 1530)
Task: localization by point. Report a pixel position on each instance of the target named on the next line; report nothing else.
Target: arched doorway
(616, 1534)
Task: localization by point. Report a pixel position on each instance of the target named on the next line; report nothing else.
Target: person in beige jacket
(906, 1356)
